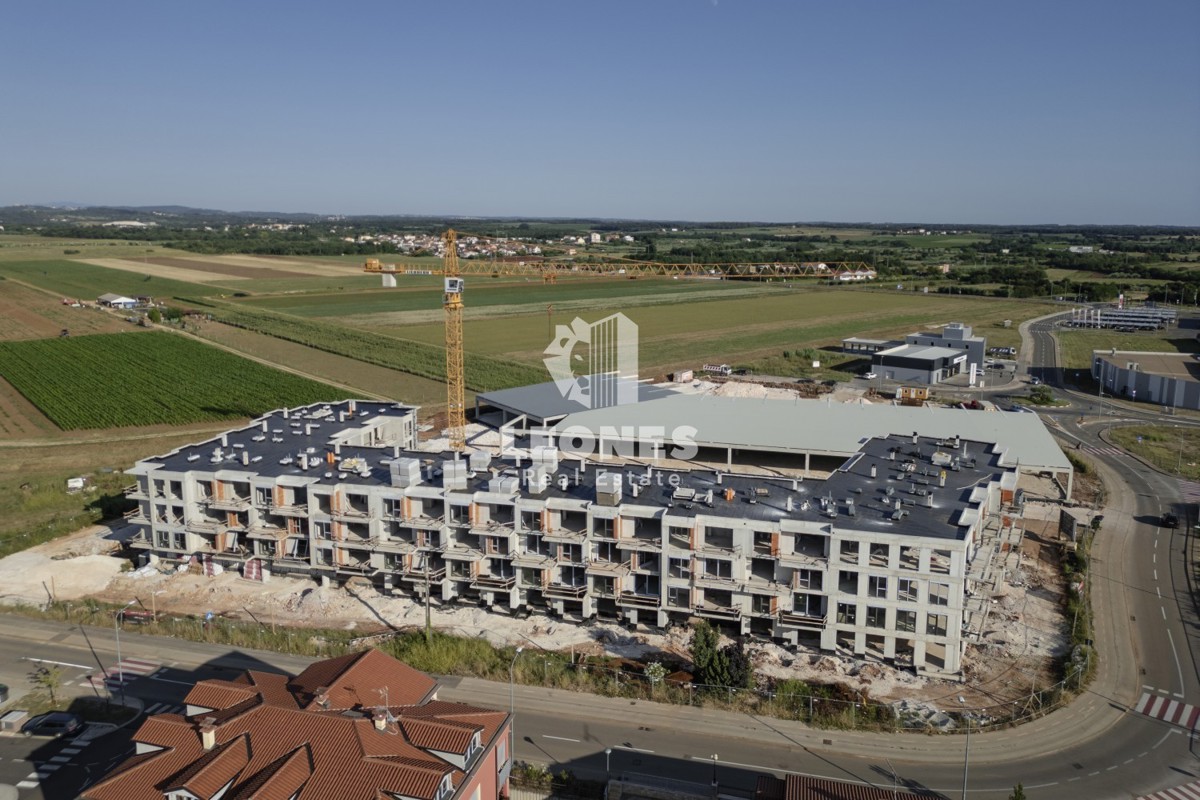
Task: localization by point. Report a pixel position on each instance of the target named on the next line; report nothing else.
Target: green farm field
(88, 281)
(488, 292)
(122, 379)
(741, 328)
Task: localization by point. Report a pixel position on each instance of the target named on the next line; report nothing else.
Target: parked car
(56, 723)
(1169, 520)
(869, 376)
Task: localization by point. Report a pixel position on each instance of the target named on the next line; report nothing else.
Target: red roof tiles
(273, 741)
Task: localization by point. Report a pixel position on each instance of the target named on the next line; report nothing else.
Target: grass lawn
(1077, 345)
(747, 328)
(490, 292)
(1173, 449)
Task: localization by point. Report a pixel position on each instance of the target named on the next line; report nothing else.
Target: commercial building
(925, 357)
(357, 727)
(876, 558)
(1165, 379)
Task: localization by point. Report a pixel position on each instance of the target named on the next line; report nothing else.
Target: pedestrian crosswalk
(52, 765)
(1168, 710)
(1103, 451)
(122, 673)
(1189, 791)
(163, 708)
(1190, 491)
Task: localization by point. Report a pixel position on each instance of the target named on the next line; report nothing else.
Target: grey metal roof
(925, 351)
(546, 401)
(824, 427)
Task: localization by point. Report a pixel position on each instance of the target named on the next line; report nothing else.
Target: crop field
(115, 380)
(487, 292)
(88, 281)
(27, 313)
(482, 373)
(369, 379)
(744, 328)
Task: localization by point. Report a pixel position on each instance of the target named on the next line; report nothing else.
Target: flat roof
(547, 401)
(907, 478)
(861, 340)
(822, 427)
(925, 351)
(1169, 365)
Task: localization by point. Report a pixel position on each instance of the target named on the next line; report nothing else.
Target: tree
(155, 315)
(709, 662)
(49, 678)
(741, 671)
(1018, 793)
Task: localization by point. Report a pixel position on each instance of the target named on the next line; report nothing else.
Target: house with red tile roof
(363, 725)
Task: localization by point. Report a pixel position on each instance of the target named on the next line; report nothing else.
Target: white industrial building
(888, 550)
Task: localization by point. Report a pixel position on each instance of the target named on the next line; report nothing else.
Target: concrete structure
(861, 346)
(875, 560)
(358, 726)
(1165, 379)
(542, 404)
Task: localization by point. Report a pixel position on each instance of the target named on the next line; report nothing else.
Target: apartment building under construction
(880, 557)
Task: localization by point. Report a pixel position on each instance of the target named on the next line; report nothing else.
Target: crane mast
(456, 422)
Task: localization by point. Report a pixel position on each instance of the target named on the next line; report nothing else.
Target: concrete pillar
(919, 654)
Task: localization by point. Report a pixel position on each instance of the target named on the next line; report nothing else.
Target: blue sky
(955, 112)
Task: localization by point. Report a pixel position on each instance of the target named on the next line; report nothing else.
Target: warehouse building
(878, 558)
(1165, 379)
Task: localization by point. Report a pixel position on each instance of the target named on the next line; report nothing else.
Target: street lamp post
(607, 763)
(714, 778)
(117, 630)
(512, 702)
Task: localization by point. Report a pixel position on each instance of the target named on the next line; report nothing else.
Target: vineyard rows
(483, 373)
(120, 379)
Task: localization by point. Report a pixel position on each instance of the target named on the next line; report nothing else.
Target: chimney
(942, 478)
(308, 430)
(873, 471)
(322, 696)
(208, 733)
(224, 440)
(719, 479)
(929, 501)
(353, 406)
(245, 458)
(264, 426)
(395, 451)
(337, 449)
(914, 437)
(380, 718)
(285, 413)
(789, 504)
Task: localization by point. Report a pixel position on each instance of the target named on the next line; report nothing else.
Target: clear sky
(1053, 111)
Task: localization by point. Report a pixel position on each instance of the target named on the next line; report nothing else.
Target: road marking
(1164, 613)
(168, 680)
(638, 750)
(1159, 592)
(59, 663)
(560, 738)
(28, 784)
(1175, 653)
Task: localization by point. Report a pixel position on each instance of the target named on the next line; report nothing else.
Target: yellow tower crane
(456, 423)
